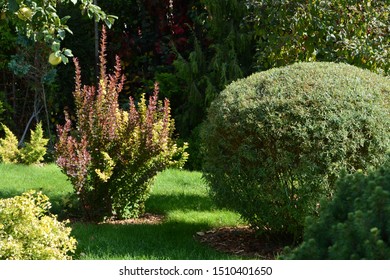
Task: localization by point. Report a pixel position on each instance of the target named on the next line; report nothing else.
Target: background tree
(222, 52)
(39, 20)
(35, 30)
(351, 31)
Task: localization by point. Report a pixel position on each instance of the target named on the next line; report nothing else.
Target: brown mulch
(147, 218)
(242, 241)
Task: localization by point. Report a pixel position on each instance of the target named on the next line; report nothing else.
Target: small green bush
(32, 153)
(35, 149)
(27, 232)
(9, 147)
(275, 142)
(355, 224)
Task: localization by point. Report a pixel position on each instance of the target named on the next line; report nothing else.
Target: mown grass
(16, 179)
(180, 196)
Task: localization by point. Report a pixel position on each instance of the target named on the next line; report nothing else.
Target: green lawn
(16, 179)
(180, 196)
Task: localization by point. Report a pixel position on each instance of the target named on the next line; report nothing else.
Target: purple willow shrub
(111, 156)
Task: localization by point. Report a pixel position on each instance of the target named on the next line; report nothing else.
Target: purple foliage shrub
(112, 155)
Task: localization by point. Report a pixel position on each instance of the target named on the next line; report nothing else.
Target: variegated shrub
(112, 155)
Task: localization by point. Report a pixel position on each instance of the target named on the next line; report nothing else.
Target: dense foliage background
(192, 48)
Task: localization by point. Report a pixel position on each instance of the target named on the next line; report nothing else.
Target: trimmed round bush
(275, 142)
(355, 224)
(28, 232)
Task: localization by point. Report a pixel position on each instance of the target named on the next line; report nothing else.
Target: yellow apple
(54, 60)
(25, 13)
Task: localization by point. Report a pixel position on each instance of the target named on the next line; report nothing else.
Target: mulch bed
(147, 218)
(242, 241)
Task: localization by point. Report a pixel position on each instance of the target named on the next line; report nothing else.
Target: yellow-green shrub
(28, 232)
(33, 152)
(35, 149)
(9, 147)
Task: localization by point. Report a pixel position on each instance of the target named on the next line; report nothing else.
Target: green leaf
(68, 30)
(51, 9)
(55, 46)
(65, 19)
(61, 34)
(68, 53)
(48, 38)
(56, 19)
(108, 22)
(64, 59)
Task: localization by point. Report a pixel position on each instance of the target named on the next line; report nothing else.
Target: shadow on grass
(9, 193)
(161, 203)
(59, 201)
(170, 240)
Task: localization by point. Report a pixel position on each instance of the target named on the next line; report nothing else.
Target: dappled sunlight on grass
(169, 240)
(215, 218)
(180, 196)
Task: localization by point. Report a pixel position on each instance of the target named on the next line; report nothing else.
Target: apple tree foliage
(35, 31)
(39, 20)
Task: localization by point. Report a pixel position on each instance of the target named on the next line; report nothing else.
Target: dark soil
(243, 241)
(147, 218)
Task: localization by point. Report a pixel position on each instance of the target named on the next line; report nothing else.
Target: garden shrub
(112, 155)
(9, 146)
(354, 224)
(276, 142)
(34, 151)
(28, 232)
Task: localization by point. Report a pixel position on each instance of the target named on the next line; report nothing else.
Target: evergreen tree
(222, 53)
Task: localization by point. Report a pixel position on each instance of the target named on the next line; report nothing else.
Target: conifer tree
(218, 58)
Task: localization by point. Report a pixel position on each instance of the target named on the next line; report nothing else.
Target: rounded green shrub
(276, 141)
(27, 232)
(353, 225)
